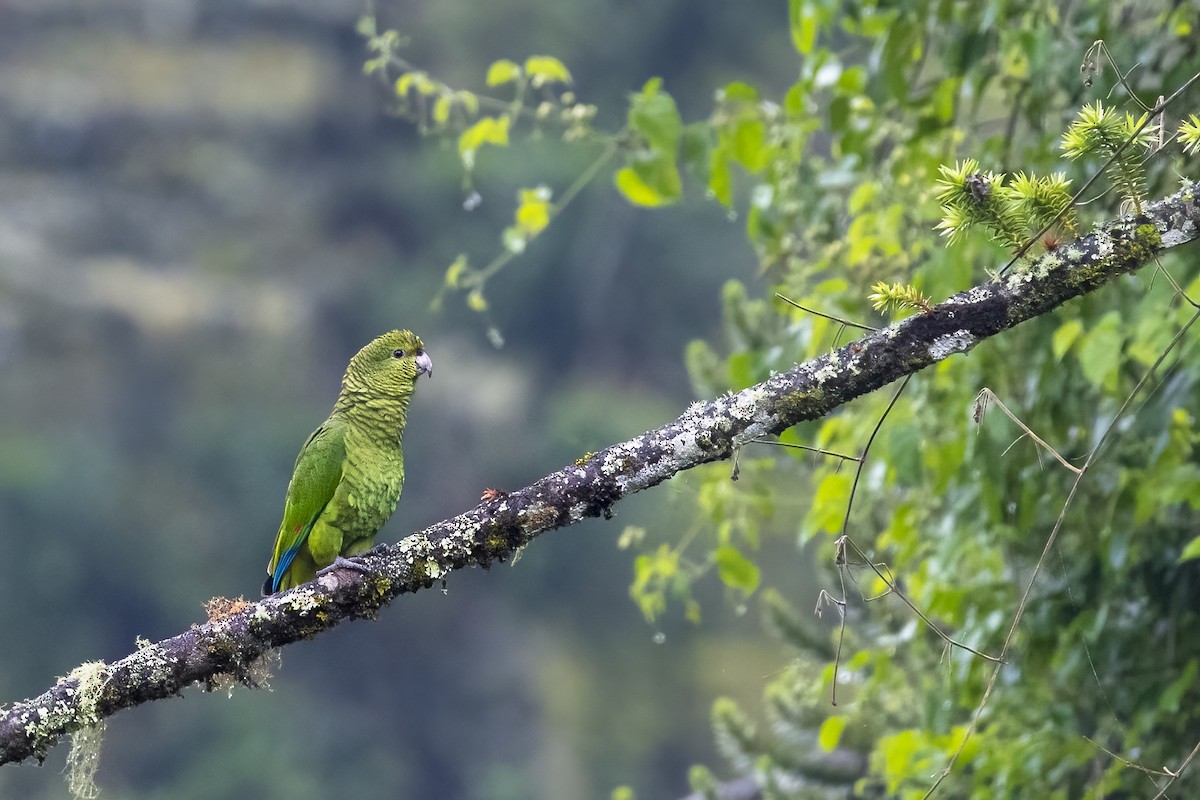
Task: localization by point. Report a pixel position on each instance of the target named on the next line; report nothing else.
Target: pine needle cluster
(1121, 139)
(1012, 212)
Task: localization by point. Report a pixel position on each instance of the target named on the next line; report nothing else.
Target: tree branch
(231, 646)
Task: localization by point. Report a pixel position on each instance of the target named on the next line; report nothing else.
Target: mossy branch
(233, 644)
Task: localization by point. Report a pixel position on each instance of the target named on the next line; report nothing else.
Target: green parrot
(349, 473)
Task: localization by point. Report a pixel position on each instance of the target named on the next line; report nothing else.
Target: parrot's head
(389, 366)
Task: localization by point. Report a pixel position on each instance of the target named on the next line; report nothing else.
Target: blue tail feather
(271, 586)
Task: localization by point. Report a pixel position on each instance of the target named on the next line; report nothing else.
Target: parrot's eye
(397, 354)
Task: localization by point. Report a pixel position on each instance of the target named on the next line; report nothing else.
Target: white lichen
(149, 663)
(950, 343)
(614, 462)
(827, 372)
(303, 601)
(683, 443)
(748, 403)
(1174, 238)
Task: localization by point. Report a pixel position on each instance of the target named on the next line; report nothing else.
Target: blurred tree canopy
(825, 141)
(840, 179)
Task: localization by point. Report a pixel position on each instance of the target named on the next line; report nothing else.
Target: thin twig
(986, 395)
(840, 544)
(1122, 79)
(1175, 775)
(862, 459)
(830, 317)
(1131, 764)
(894, 589)
(817, 450)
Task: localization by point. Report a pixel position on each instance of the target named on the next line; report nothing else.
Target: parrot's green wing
(315, 478)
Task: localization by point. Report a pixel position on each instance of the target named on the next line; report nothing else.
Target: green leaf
(415, 80)
(1064, 337)
(853, 81)
(898, 56)
(653, 114)
(793, 101)
(702, 781)
(632, 535)
(899, 756)
(839, 114)
(803, 22)
(862, 196)
(546, 69)
(441, 110)
(943, 97)
(533, 213)
(740, 91)
(720, 179)
(829, 504)
(488, 130)
(476, 301)
(1191, 551)
(1100, 352)
(636, 190)
(736, 571)
(650, 183)
(455, 270)
(741, 370)
(651, 573)
(1171, 698)
(831, 733)
(749, 145)
(502, 72)
(1182, 485)
(365, 26)
(906, 450)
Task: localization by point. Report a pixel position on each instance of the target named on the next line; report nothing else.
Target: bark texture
(239, 639)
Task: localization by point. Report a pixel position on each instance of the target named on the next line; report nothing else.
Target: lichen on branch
(233, 644)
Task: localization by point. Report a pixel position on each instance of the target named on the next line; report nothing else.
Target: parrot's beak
(424, 364)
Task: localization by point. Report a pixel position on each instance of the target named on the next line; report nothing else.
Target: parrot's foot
(344, 563)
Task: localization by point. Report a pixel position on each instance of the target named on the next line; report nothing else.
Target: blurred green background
(204, 211)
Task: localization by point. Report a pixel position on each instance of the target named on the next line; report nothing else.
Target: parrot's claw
(344, 563)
